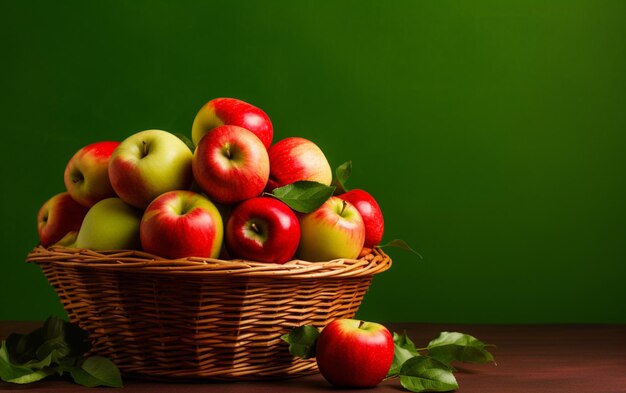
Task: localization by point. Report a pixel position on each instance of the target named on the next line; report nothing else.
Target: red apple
(148, 164)
(180, 224)
(333, 231)
(355, 354)
(231, 164)
(86, 175)
(262, 229)
(230, 111)
(59, 217)
(294, 159)
(371, 214)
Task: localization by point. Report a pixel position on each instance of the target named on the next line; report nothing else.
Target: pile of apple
(210, 198)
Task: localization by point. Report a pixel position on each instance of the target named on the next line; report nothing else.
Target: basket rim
(374, 262)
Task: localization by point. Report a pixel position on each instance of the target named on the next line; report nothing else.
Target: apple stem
(255, 228)
(145, 148)
(343, 207)
(360, 322)
(228, 153)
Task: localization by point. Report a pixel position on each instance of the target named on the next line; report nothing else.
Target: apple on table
(335, 230)
(231, 111)
(231, 164)
(262, 229)
(353, 353)
(180, 224)
(86, 175)
(59, 220)
(148, 164)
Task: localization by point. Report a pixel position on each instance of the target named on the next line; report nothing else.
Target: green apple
(110, 224)
(335, 230)
(148, 164)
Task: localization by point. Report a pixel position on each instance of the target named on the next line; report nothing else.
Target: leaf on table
(302, 341)
(454, 346)
(304, 196)
(404, 349)
(425, 374)
(97, 371)
(14, 373)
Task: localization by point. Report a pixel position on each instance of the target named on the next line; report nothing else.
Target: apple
(333, 231)
(230, 111)
(86, 175)
(181, 224)
(231, 164)
(294, 159)
(262, 229)
(148, 164)
(58, 217)
(355, 354)
(110, 224)
(371, 214)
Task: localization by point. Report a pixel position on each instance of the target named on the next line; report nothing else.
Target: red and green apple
(294, 159)
(59, 219)
(333, 231)
(371, 214)
(181, 224)
(86, 175)
(110, 224)
(148, 164)
(262, 229)
(230, 164)
(354, 354)
(231, 111)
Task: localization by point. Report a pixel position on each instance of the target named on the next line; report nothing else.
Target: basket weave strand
(202, 318)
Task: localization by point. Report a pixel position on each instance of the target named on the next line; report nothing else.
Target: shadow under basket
(199, 318)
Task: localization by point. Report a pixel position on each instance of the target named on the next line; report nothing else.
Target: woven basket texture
(202, 318)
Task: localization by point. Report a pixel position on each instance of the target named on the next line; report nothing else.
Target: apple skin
(333, 231)
(231, 111)
(371, 214)
(110, 224)
(263, 229)
(231, 164)
(148, 164)
(181, 224)
(58, 217)
(86, 175)
(294, 159)
(355, 354)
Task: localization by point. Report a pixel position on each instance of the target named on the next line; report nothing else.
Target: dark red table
(530, 359)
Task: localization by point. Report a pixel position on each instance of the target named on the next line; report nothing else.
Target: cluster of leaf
(56, 348)
(433, 371)
(428, 372)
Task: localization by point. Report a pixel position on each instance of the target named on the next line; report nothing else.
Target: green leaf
(304, 196)
(454, 346)
(302, 341)
(10, 372)
(425, 374)
(186, 140)
(97, 371)
(23, 347)
(404, 349)
(342, 174)
(399, 243)
(57, 346)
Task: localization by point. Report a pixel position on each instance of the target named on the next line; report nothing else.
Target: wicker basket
(202, 318)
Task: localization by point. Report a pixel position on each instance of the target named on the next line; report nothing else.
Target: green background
(491, 133)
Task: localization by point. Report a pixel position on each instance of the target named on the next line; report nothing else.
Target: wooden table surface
(530, 359)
